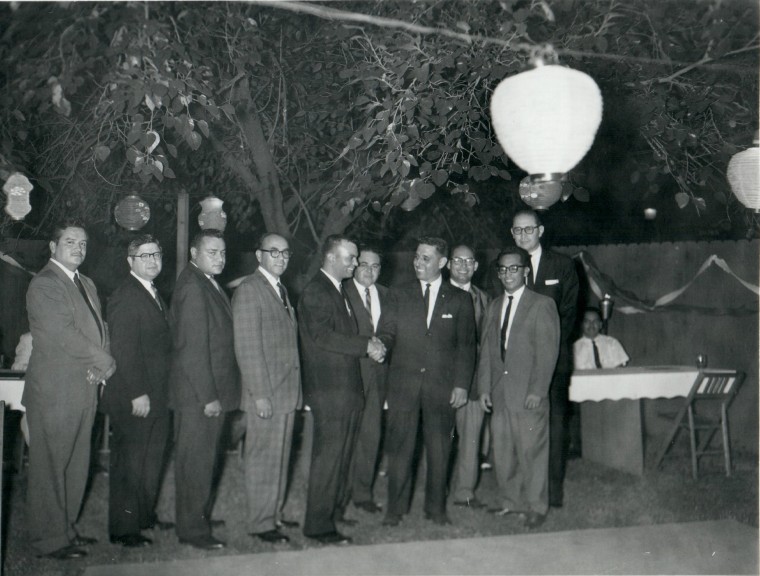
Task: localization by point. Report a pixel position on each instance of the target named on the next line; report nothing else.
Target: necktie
(426, 299)
(533, 272)
(504, 326)
(597, 361)
(82, 291)
(368, 301)
(155, 296)
(216, 284)
(345, 299)
(283, 296)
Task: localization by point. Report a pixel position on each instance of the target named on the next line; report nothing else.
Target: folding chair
(711, 387)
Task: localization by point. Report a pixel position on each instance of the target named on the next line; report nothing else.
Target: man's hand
(141, 406)
(532, 401)
(485, 402)
(212, 409)
(376, 349)
(458, 398)
(264, 408)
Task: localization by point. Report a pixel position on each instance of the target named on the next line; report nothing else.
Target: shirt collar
(465, 287)
(434, 284)
(334, 281)
(273, 280)
(516, 294)
(361, 287)
(148, 285)
(68, 272)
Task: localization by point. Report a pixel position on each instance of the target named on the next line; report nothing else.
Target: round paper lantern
(540, 193)
(132, 212)
(546, 118)
(17, 189)
(744, 177)
(212, 215)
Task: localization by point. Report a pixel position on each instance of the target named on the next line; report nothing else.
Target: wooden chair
(711, 392)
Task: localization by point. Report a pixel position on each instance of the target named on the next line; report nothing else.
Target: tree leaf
(439, 177)
(102, 152)
(682, 199)
(203, 125)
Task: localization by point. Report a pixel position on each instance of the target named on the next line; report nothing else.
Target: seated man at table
(594, 350)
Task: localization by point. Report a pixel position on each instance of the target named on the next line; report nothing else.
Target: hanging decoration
(17, 189)
(546, 119)
(132, 212)
(212, 215)
(744, 176)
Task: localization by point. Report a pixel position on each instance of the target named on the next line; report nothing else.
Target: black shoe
(556, 504)
(534, 519)
(80, 540)
(391, 520)
(217, 523)
(440, 519)
(369, 506)
(287, 523)
(332, 538)
(473, 503)
(132, 540)
(272, 537)
(347, 521)
(69, 552)
(204, 543)
(163, 526)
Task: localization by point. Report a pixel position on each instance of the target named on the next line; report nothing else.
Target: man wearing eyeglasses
(469, 418)
(552, 274)
(518, 353)
(204, 384)
(136, 397)
(367, 298)
(266, 347)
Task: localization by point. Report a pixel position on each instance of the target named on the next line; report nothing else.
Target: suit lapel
(75, 296)
(274, 296)
(519, 318)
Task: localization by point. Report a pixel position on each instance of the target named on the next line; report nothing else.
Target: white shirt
(209, 276)
(465, 287)
(611, 353)
(374, 299)
(535, 260)
(148, 285)
(273, 280)
(516, 295)
(435, 286)
(68, 272)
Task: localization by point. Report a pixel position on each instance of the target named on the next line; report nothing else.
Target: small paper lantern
(540, 193)
(132, 212)
(212, 215)
(17, 189)
(744, 177)
(546, 118)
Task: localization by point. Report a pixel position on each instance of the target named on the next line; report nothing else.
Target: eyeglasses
(524, 230)
(514, 269)
(367, 265)
(463, 261)
(275, 253)
(145, 256)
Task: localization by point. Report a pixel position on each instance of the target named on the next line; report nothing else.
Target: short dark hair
(332, 241)
(374, 248)
(470, 248)
(60, 227)
(138, 241)
(528, 212)
(595, 310)
(265, 235)
(441, 246)
(509, 250)
(207, 233)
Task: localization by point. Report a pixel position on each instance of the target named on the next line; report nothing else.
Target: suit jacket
(373, 373)
(480, 303)
(203, 352)
(141, 343)
(557, 279)
(66, 341)
(331, 347)
(266, 346)
(531, 353)
(428, 361)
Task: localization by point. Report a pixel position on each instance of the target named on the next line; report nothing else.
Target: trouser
(469, 422)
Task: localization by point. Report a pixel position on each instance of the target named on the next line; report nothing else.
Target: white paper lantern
(212, 215)
(744, 177)
(17, 189)
(132, 212)
(546, 118)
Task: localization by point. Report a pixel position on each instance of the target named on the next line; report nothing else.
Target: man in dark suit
(136, 397)
(553, 275)
(367, 299)
(469, 418)
(517, 358)
(331, 347)
(69, 358)
(430, 329)
(204, 384)
(266, 347)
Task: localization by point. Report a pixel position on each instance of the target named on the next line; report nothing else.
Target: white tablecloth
(11, 390)
(632, 383)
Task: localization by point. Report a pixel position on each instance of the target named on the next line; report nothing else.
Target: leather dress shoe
(69, 552)
(272, 537)
(204, 543)
(332, 538)
(368, 506)
(555, 503)
(473, 503)
(347, 521)
(80, 540)
(287, 523)
(132, 540)
(391, 520)
(440, 519)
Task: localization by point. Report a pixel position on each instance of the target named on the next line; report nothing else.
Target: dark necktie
(155, 296)
(533, 272)
(597, 361)
(426, 299)
(283, 296)
(504, 326)
(345, 299)
(368, 301)
(82, 291)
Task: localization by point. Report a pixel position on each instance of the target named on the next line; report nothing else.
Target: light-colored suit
(60, 403)
(266, 347)
(520, 436)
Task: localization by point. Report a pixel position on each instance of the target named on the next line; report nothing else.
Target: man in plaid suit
(266, 347)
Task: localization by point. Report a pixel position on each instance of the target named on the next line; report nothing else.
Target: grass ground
(595, 497)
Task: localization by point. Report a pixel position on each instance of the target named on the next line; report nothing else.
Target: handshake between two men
(376, 349)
